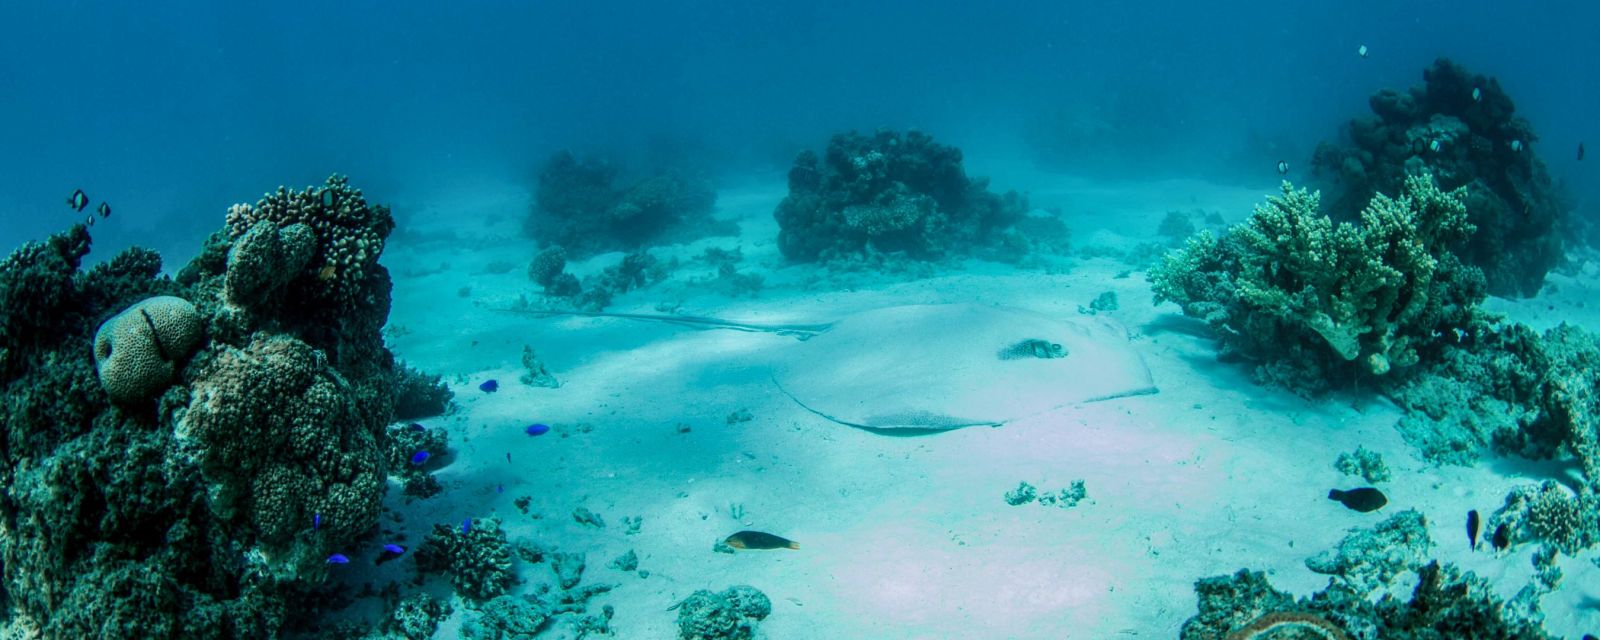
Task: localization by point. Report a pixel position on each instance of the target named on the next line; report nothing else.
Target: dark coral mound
(888, 193)
(189, 514)
(579, 206)
(1440, 128)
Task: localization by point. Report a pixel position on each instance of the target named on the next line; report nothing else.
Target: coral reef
(209, 510)
(1462, 129)
(1311, 301)
(506, 618)
(1368, 559)
(138, 352)
(417, 617)
(1444, 604)
(730, 615)
(420, 395)
(346, 236)
(892, 192)
(475, 556)
(578, 206)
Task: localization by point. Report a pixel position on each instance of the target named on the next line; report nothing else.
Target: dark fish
(1364, 499)
(508, 456)
(417, 426)
(338, 558)
(1472, 529)
(419, 457)
(759, 540)
(328, 198)
(489, 386)
(1502, 537)
(104, 210)
(1283, 168)
(1580, 159)
(537, 429)
(78, 200)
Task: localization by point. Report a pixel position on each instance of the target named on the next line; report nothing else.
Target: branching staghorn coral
(1300, 294)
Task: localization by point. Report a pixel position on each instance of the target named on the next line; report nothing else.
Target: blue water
(172, 111)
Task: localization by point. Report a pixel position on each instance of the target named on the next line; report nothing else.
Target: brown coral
(349, 233)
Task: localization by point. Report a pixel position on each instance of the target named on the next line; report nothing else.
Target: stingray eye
(1057, 351)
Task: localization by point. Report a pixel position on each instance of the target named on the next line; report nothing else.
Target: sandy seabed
(903, 537)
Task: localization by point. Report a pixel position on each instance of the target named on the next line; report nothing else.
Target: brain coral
(138, 351)
(349, 236)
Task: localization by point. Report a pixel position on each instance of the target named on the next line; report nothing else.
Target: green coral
(265, 258)
(1296, 292)
(138, 352)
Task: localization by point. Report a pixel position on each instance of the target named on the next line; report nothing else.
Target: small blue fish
(489, 386)
(419, 458)
(508, 457)
(338, 558)
(499, 488)
(537, 429)
(417, 426)
(316, 521)
(394, 549)
(466, 525)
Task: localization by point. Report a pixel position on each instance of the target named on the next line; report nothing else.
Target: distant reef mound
(231, 440)
(1462, 129)
(898, 193)
(584, 206)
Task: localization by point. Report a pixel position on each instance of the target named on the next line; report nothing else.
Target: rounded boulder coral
(138, 352)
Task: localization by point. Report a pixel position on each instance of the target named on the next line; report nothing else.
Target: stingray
(935, 367)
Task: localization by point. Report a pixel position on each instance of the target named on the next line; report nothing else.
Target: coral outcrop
(893, 192)
(1311, 301)
(1444, 604)
(1462, 129)
(208, 510)
(475, 556)
(578, 205)
(730, 615)
(138, 352)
